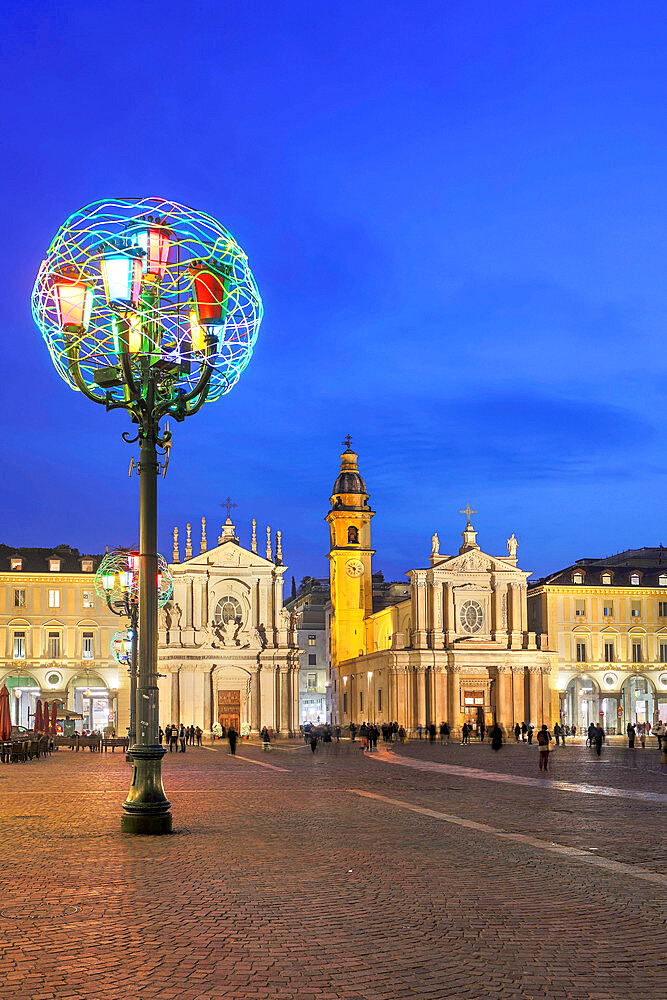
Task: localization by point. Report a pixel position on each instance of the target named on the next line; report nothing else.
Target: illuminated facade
(56, 635)
(457, 649)
(227, 647)
(608, 620)
(309, 608)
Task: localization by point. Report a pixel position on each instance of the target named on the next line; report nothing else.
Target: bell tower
(350, 558)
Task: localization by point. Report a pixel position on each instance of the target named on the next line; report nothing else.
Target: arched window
(352, 535)
(634, 579)
(227, 609)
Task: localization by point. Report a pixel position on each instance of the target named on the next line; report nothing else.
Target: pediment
(227, 554)
(476, 561)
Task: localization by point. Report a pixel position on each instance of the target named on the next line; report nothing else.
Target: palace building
(228, 649)
(456, 648)
(56, 637)
(607, 618)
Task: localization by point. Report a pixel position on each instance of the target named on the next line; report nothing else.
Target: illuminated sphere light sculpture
(151, 307)
(121, 647)
(117, 579)
(152, 282)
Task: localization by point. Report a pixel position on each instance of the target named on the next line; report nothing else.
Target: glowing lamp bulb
(159, 581)
(121, 271)
(126, 579)
(153, 241)
(74, 302)
(133, 562)
(108, 581)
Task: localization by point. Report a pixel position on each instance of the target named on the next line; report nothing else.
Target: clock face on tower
(353, 567)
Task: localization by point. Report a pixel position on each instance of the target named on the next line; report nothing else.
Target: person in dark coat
(313, 740)
(232, 736)
(183, 736)
(160, 735)
(431, 732)
(632, 732)
(496, 737)
(598, 739)
(517, 732)
(198, 736)
(524, 731)
(173, 739)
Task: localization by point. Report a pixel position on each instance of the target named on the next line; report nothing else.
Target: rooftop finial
(279, 547)
(229, 505)
(269, 553)
(467, 510)
(347, 441)
(203, 543)
(253, 543)
(175, 557)
(188, 541)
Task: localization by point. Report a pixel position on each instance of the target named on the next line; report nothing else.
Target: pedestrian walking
(160, 735)
(353, 730)
(419, 730)
(642, 736)
(557, 734)
(232, 737)
(482, 730)
(198, 736)
(465, 733)
(524, 732)
(173, 739)
(590, 739)
(183, 736)
(337, 734)
(313, 740)
(431, 732)
(598, 738)
(531, 730)
(496, 737)
(632, 732)
(517, 732)
(543, 740)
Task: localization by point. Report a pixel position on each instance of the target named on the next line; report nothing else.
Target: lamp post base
(146, 808)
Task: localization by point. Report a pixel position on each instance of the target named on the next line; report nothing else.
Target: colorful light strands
(121, 647)
(174, 276)
(117, 577)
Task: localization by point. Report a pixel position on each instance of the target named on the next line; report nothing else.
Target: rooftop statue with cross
(347, 441)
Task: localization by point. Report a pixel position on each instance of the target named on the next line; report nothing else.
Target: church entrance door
(473, 708)
(229, 709)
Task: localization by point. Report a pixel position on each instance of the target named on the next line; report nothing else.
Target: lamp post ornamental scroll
(148, 306)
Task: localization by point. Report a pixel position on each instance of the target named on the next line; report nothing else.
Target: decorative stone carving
(503, 609)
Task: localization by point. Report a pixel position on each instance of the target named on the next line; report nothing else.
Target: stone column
(546, 697)
(504, 697)
(255, 701)
(499, 628)
(440, 702)
(174, 707)
(421, 696)
(450, 624)
(515, 616)
(206, 701)
(454, 699)
(535, 708)
(284, 701)
(518, 680)
(401, 676)
(437, 633)
(419, 603)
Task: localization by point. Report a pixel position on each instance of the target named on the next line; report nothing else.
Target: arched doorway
(92, 701)
(582, 703)
(638, 700)
(23, 694)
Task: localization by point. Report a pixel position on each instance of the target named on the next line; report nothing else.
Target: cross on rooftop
(229, 505)
(348, 442)
(467, 511)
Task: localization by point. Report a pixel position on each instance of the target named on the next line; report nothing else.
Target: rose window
(227, 609)
(471, 617)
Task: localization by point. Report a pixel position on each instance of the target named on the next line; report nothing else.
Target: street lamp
(148, 306)
(117, 581)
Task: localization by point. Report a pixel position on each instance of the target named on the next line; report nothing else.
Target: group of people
(178, 737)
(525, 732)
(642, 730)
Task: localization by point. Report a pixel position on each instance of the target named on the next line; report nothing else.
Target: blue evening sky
(455, 213)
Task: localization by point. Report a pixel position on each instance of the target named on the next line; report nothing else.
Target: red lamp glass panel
(74, 300)
(210, 297)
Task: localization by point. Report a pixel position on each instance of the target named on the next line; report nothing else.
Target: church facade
(228, 651)
(457, 649)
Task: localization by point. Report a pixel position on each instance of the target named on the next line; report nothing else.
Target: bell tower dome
(350, 559)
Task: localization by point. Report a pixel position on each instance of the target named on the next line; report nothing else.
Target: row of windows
(608, 609)
(361, 701)
(607, 579)
(55, 564)
(53, 646)
(53, 598)
(610, 652)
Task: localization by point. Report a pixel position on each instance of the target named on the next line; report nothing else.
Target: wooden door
(229, 709)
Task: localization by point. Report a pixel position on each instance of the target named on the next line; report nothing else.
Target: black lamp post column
(146, 809)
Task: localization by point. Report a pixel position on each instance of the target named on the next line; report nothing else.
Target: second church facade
(457, 650)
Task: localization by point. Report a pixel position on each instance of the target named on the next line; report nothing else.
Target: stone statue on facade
(435, 544)
(512, 545)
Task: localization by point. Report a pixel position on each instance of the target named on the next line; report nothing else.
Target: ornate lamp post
(150, 307)
(117, 581)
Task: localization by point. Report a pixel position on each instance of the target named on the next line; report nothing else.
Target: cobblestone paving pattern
(285, 884)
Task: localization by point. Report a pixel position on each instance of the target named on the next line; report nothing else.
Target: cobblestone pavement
(337, 876)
